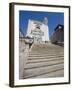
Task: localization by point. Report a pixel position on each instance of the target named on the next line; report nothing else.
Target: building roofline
(38, 21)
(58, 27)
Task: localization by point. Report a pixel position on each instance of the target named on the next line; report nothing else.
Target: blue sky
(54, 18)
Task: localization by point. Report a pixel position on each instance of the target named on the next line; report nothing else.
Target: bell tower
(45, 21)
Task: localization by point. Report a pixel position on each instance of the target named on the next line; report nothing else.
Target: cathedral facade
(38, 30)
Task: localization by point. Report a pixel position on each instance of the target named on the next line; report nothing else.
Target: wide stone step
(51, 47)
(57, 73)
(44, 60)
(48, 48)
(49, 53)
(42, 64)
(33, 72)
(34, 47)
(46, 57)
(46, 45)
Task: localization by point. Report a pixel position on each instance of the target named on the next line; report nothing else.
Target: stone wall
(23, 55)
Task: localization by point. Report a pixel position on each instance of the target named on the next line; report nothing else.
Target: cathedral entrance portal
(37, 39)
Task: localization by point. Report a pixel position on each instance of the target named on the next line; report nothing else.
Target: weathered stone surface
(43, 61)
(23, 55)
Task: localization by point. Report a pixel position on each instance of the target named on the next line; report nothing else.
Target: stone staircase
(45, 60)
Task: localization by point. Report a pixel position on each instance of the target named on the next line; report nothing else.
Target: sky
(54, 18)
